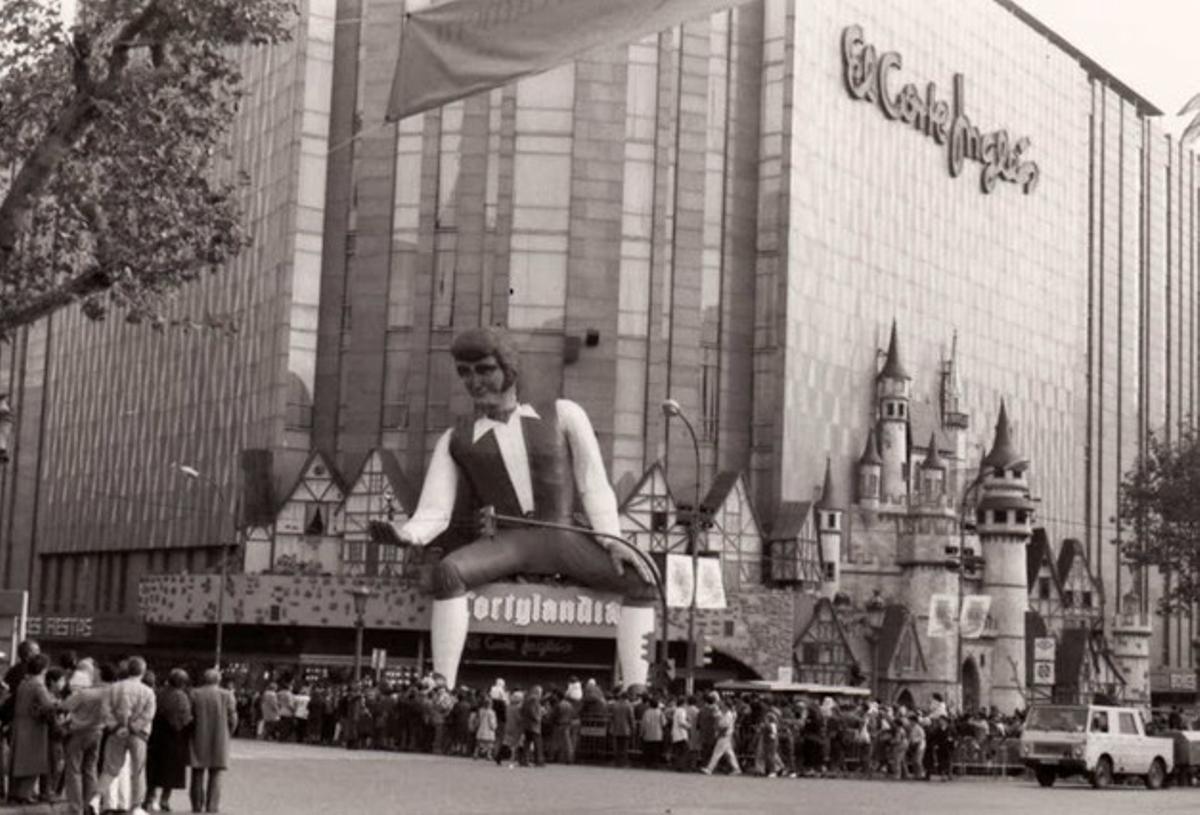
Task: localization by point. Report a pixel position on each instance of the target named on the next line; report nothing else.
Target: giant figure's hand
(623, 557)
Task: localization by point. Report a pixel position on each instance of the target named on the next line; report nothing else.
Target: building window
(1043, 588)
(900, 410)
(830, 570)
(1022, 516)
(1000, 516)
(658, 521)
(1086, 599)
(890, 409)
(316, 521)
(1068, 599)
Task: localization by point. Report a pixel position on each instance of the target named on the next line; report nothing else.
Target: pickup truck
(1102, 744)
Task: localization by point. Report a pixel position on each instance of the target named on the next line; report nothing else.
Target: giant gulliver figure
(536, 462)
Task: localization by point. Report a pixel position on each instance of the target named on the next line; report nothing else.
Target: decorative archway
(905, 698)
(969, 682)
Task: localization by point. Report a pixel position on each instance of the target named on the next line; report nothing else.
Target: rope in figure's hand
(622, 557)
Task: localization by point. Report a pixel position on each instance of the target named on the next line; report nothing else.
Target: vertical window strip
(541, 199)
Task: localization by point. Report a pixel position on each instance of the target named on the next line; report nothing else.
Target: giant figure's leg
(585, 560)
(448, 636)
(475, 564)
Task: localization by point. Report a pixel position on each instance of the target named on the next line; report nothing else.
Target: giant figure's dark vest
(550, 468)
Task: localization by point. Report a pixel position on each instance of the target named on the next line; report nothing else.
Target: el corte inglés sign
(869, 77)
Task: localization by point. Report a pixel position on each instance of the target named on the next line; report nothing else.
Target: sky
(1153, 46)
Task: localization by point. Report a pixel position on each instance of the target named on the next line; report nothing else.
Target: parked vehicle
(1187, 757)
(1103, 744)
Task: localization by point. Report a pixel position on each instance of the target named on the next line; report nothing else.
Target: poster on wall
(943, 615)
(975, 615)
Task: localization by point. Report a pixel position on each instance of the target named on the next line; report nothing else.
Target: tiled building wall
(125, 403)
(880, 231)
(610, 196)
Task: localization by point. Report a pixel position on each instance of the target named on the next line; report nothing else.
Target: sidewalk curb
(61, 808)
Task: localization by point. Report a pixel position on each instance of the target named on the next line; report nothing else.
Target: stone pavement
(269, 778)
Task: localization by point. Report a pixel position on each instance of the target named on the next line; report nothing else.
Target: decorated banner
(974, 615)
(710, 583)
(679, 581)
(943, 615)
(711, 592)
(461, 47)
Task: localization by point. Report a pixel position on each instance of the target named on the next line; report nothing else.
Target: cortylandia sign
(868, 76)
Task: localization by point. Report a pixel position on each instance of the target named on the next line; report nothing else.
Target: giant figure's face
(484, 381)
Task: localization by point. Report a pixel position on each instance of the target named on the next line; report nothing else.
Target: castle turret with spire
(830, 510)
(1004, 519)
(893, 388)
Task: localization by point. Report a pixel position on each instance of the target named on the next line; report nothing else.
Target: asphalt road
(276, 778)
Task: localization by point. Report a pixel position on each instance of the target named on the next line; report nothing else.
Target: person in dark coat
(168, 752)
(33, 716)
(214, 714)
(620, 725)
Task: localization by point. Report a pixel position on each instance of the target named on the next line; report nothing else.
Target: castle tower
(1129, 642)
(869, 465)
(1004, 517)
(830, 512)
(955, 421)
(921, 557)
(892, 391)
(932, 486)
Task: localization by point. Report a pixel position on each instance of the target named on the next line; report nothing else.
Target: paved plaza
(277, 778)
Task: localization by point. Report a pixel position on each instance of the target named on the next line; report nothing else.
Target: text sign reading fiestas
(543, 609)
(868, 76)
(65, 627)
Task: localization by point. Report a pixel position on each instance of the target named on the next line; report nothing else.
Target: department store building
(732, 214)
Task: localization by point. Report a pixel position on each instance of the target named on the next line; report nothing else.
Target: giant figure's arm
(591, 479)
(437, 496)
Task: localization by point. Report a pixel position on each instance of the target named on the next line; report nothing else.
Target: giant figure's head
(488, 363)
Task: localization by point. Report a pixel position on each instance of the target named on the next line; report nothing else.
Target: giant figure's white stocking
(448, 635)
(635, 631)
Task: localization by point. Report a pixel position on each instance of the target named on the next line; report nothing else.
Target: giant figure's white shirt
(591, 481)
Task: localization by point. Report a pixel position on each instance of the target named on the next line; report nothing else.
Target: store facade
(732, 214)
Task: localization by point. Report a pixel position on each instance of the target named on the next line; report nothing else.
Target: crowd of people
(112, 737)
(772, 736)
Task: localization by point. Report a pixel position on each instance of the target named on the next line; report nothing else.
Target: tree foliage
(110, 130)
(1161, 499)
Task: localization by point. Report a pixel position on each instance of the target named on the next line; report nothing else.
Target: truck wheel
(1045, 776)
(1157, 775)
(1102, 776)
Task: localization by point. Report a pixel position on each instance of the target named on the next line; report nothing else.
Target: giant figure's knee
(448, 580)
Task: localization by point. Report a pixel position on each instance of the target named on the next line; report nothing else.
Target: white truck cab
(1101, 743)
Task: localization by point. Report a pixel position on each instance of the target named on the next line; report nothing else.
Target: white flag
(943, 615)
(462, 47)
(679, 581)
(710, 586)
(974, 615)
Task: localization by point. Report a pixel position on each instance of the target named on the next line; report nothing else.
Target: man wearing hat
(535, 461)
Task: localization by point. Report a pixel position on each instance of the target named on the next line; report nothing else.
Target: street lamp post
(360, 594)
(196, 475)
(875, 608)
(671, 407)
